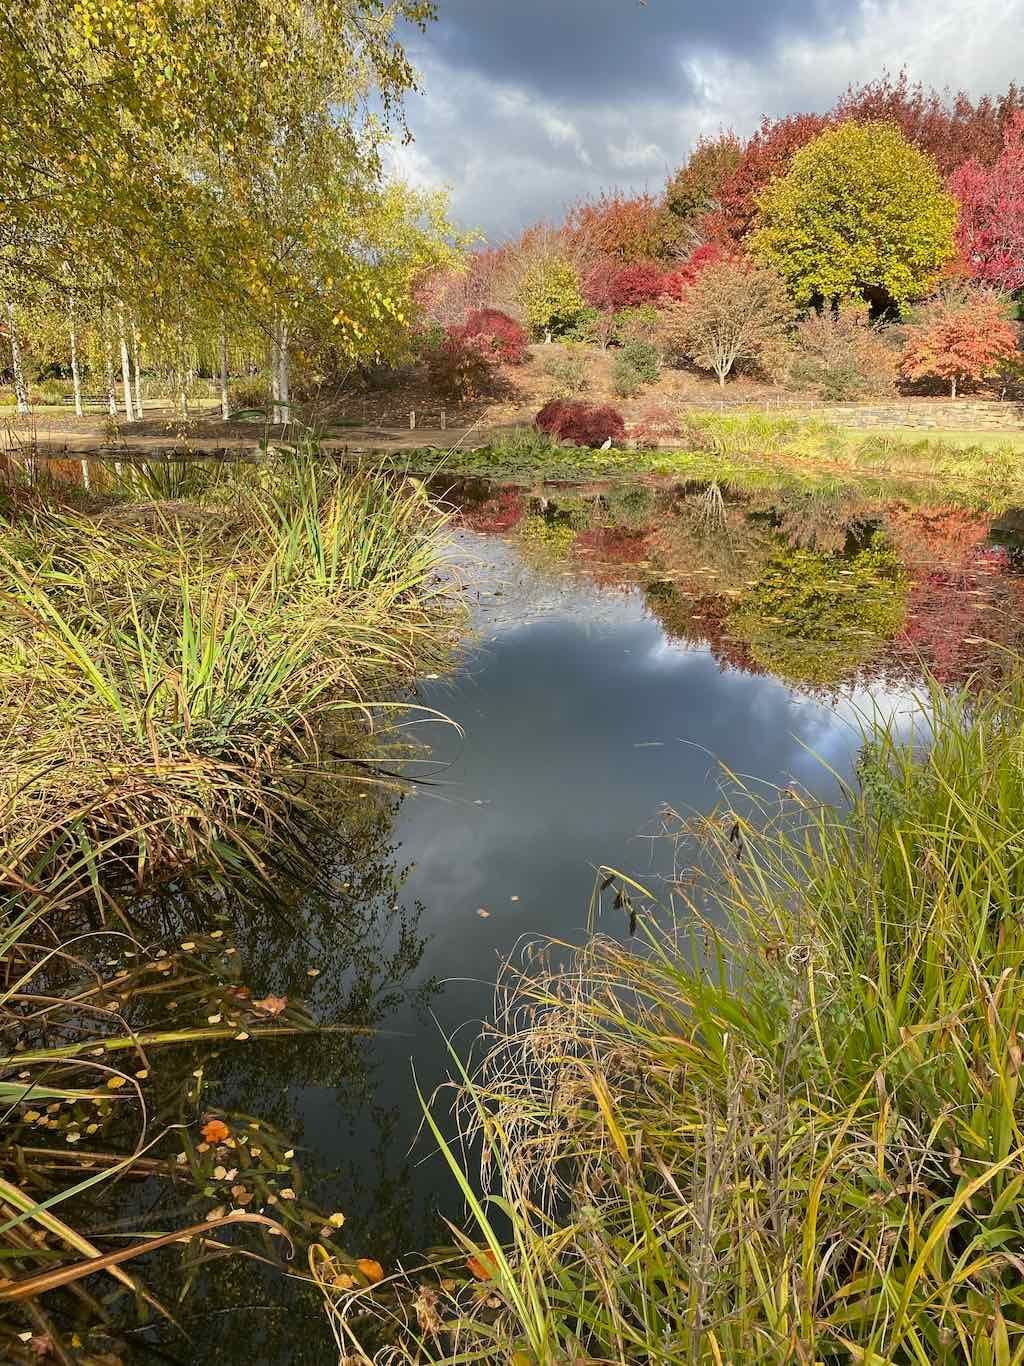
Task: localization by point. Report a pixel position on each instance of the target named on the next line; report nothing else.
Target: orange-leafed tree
(960, 338)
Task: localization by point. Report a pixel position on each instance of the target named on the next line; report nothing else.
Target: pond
(632, 652)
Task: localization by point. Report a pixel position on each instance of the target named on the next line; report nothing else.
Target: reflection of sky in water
(581, 720)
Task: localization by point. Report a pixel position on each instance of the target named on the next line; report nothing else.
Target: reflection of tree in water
(817, 619)
(348, 925)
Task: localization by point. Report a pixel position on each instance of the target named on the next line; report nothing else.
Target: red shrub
(584, 424)
(656, 423)
(500, 513)
(609, 285)
(505, 336)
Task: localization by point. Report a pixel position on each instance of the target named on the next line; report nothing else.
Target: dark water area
(628, 651)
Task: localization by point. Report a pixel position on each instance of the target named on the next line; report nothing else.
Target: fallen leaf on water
(214, 1019)
(372, 1270)
(336, 1219)
(483, 913)
(287, 1193)
(343, 1282)
(214, 1130)
(271, 1005)
(114, 1083)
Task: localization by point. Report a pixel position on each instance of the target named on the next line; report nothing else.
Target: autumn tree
(960, 338)
(696, 186)
(861, 214)
(767, 156)
(550, 295)
(990, 232)
(626, 227)
(950, 130)
(730, 314)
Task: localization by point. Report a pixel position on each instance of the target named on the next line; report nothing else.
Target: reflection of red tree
(956, 614)
(624, 545)
(702, 619)
(500, 513)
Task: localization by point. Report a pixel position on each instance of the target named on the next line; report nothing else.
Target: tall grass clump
(789, 1129)
(175, 664)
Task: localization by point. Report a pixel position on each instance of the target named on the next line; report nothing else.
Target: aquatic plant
(787, 1127)
(173, 673)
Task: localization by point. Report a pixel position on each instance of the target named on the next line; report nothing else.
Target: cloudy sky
(528, 104)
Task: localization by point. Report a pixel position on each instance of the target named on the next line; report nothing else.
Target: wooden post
(444, 420)
(412, 420)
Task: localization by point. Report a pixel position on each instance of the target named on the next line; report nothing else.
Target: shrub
(506, 338)
(462, 368)
(247, 393)
(841, 356)
(635, 324)
(730, 314)
(568, 372)
(861, 214)
(583, 424)
(636, 364)
(655, 424)
(961, 337)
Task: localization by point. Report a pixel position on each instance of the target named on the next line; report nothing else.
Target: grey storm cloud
(593, 50)
(528, 105)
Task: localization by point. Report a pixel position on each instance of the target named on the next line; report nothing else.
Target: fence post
(444, 420)
(412, 420)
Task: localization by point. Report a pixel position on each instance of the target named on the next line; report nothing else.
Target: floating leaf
(372, 1270)
(214, 1130)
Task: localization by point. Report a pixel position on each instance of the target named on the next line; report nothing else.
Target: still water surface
(611, 672)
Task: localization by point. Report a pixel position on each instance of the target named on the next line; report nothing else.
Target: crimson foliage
(490, 327)
(584, 424)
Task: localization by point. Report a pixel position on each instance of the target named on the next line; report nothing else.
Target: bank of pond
(528, 922)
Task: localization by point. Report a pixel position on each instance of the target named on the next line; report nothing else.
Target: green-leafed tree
(861, 214)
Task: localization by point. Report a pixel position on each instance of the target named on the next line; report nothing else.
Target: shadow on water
(632, 646)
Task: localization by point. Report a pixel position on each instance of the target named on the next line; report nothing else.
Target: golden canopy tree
(861, 214)
(213, 164)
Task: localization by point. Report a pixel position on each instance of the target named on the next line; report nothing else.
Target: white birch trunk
(76, 374)
(282, 383)
(86, 481)
(126, 368)
(20, 389)
(225, 402)
(108, 365)
(275, 375)
(138, 371)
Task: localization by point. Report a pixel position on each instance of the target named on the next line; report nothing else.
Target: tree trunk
(76, 377)
(275, 376)
(721, 378)
(108, 365)
(225, 402)
(86, 482)
(20, 390)
(952, 387)
(126, 369)
(182, 376)
(282, 384)
(138, 372)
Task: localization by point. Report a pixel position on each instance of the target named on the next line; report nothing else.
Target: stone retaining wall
(968, 415)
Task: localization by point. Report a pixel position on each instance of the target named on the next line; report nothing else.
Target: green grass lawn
(947, 436)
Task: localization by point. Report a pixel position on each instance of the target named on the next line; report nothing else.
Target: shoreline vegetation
(193, 658)
(752, 449)
(787, 1129)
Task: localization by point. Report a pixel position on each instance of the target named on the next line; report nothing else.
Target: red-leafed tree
(583, 424)
(766, 156)
(677, 281)
(489, 327)
(626, 227)
(961, 339)
(991, 227)
(951, 131)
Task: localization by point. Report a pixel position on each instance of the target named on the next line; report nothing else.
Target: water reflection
(631, 644)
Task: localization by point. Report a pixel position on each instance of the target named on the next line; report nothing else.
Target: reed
(788, 1128)
(174, 668)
